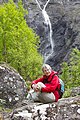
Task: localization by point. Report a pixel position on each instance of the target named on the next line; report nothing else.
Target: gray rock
(12, 85)
(75, 91)
(64, 109)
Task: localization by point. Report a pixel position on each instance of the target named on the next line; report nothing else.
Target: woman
(46, 87)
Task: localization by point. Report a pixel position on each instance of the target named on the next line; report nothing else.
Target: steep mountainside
(65, 21)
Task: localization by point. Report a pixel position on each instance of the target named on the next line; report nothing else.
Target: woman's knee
(47, 97)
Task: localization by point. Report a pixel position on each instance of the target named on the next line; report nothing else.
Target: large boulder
(12, 85)
(64, 109)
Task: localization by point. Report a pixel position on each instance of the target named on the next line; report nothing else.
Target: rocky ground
(64, 109)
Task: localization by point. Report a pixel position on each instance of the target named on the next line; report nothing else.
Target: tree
(18, 42)
(71, 71)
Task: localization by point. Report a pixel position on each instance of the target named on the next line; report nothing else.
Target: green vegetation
(18, 42)
(19, 45)
(71, 71)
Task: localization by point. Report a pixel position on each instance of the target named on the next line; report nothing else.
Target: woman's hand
(35, 88)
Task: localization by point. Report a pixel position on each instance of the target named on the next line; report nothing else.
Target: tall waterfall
(48, 24)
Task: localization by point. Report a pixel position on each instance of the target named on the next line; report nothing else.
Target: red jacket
(51, 82)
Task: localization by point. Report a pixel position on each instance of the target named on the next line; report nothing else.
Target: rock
(64, 109)
(75, 91)
(12, 85)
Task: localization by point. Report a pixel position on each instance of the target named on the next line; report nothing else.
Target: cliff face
(65, 22)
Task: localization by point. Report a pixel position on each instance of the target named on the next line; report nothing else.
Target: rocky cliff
(64, 16)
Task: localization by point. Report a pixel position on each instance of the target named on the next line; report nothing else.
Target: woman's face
(46, 71)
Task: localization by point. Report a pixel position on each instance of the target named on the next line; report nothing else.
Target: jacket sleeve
(52, 86)
(37, 80)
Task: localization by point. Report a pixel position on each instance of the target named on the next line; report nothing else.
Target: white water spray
(48, 24)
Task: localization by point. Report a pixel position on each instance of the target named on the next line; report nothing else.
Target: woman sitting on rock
(45, 89)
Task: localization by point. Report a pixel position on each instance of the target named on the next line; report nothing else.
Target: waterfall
(48, 24)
